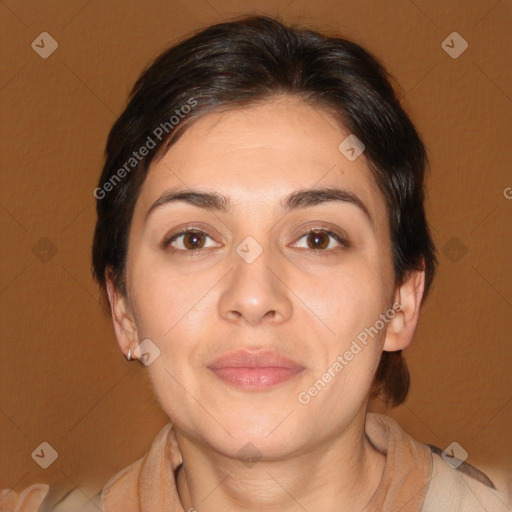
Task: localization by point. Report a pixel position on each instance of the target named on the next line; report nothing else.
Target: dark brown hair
(243, 62)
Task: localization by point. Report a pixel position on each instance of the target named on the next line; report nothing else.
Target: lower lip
(255, 378)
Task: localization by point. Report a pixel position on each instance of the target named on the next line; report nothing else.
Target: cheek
(163, 297)
(350, 303)
(348, 299)
(170, 313)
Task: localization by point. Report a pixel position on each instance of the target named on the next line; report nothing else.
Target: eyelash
(324, 230)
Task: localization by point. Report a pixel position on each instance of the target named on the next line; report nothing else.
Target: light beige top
(415, 479)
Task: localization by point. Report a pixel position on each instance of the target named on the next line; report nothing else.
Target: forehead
(257, 155)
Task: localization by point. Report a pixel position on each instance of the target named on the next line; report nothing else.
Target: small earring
(129, 356)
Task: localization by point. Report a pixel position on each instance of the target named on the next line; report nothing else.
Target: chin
(251, 447)
(268, 433)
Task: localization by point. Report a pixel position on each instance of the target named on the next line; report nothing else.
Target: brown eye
(188, 241)
(193, 240)
(320, 240)
(317, 240)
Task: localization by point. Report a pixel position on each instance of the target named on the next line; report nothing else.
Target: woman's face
(252, 279)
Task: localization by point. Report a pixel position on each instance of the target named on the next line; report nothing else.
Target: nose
(256, 291)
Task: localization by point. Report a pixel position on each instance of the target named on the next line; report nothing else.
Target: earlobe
(122, 319)
(401, 328)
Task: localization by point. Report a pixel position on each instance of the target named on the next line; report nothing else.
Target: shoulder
(461, 487)
(121, 492)
(454, 487)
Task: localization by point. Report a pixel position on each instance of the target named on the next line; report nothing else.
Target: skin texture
(308, 304)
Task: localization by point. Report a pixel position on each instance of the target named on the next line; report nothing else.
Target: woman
(262, 243)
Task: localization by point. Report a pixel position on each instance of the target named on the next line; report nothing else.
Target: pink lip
(254, 370)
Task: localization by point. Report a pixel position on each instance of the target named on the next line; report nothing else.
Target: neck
(340, 474)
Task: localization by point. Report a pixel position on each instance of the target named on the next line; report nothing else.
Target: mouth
(252, 371)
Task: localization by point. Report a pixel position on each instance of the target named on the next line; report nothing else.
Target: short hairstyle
(244, 62)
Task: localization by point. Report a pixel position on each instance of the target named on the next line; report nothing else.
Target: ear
(124, 324)
(407, 310)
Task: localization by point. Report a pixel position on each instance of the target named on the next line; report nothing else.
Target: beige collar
(149, 485)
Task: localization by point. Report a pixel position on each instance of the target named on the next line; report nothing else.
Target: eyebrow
(296, 200)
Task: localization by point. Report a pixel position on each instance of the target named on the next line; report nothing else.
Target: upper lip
(251, 359)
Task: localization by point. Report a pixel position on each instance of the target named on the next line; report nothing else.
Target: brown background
(63, 379)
